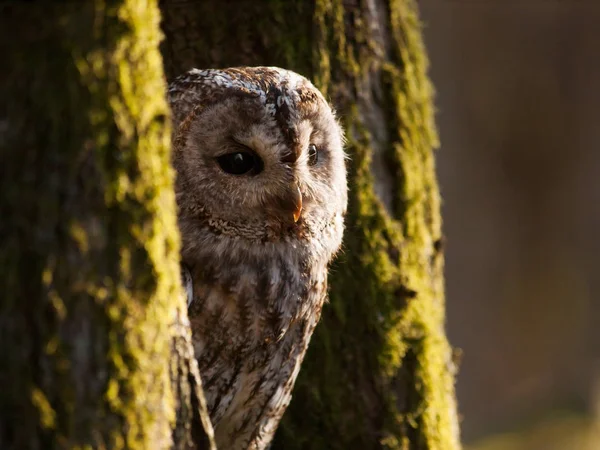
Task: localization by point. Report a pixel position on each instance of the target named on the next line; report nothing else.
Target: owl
(261, 193)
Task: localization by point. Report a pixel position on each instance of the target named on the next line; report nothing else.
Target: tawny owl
(261, 190)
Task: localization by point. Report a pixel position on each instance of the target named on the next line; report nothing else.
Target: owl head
(255, 149)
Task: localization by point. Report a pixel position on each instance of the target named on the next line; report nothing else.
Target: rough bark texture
(91, 309)
(379, 371)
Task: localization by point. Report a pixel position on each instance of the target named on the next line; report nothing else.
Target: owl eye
(313, 154)
(240, 163)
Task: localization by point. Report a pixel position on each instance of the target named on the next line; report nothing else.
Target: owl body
(261, 190)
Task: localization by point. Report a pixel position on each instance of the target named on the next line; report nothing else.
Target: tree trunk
(95, 348)
(379, 372)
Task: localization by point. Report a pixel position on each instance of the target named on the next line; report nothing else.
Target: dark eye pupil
(240, 163)
(313, 154)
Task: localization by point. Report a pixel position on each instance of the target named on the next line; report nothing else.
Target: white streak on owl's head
(253, 146)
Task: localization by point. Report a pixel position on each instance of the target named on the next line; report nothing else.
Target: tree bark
(95, 348)
(379, 372)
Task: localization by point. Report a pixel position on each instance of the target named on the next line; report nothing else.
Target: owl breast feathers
(261, 190)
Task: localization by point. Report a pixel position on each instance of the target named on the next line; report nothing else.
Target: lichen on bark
(88, 237)
(379, 370)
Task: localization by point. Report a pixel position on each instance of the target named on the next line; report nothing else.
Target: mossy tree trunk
(95, 350)
(379, 371)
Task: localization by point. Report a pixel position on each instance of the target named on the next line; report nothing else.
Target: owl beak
(290, 203)
(297, 202)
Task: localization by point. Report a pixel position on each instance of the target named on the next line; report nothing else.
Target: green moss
(47, 414)
(94, 242)
(139, 193)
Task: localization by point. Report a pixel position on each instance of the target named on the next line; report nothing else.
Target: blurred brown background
(518, 93)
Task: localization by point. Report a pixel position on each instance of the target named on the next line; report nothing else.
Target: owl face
(258, 146)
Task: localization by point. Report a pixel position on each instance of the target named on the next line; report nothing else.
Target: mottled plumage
(256, 244)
